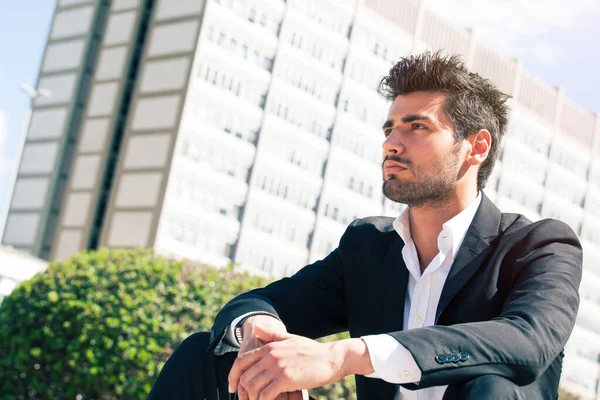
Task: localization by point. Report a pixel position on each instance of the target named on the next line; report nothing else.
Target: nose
(393, 143)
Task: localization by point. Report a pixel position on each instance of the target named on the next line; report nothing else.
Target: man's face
(422, 159)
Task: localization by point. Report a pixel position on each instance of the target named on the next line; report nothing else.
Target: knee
(496, 387)
(485, 387)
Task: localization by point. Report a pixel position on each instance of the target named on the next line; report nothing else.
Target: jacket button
(464, 356)
(454, 357)
(441, 358)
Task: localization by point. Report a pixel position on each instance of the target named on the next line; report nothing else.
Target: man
(451, 300)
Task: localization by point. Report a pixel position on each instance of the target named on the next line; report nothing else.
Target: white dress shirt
(392, 361)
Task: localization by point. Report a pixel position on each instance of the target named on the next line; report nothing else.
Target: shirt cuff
(391, 361)
(229, 342)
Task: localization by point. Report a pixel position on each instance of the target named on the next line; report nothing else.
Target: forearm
(354, 358)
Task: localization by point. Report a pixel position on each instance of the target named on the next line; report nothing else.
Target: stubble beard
(428, 189)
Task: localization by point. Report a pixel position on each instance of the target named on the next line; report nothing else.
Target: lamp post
(33, 94)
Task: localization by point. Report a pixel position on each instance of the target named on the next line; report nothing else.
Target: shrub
(101, 324)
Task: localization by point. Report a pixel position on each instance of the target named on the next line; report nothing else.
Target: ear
(480, 145)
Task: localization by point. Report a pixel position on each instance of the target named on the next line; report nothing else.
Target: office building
(249, 130)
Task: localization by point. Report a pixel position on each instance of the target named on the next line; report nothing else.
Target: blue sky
(557, 40)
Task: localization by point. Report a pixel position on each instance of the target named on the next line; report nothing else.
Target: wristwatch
(238, 331)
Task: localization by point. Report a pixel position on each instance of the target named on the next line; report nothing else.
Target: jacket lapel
(472, 252)
(394, 285)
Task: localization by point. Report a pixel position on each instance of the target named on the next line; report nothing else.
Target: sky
(558, 41)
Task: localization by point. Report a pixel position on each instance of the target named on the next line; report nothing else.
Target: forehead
(429, 104)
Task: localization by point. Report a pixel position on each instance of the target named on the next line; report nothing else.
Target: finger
(267, 334)
(254, 383)
(242, 394)
(275, 388)
(241, 364)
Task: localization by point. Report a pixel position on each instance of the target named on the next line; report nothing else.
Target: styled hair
(472, 103)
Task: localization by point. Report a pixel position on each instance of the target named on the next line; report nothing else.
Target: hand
(288, 363)
(272, 329)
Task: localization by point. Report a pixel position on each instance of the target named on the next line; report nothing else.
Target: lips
(390, 167)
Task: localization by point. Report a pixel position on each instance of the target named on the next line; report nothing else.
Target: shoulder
(526, 237)
(368, 229)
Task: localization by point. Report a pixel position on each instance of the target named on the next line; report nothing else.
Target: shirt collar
(454, 229)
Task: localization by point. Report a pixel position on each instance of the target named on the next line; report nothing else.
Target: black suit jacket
(507, 308)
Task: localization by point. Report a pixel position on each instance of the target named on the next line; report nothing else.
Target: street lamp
(33, 94)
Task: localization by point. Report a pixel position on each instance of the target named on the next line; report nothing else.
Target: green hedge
(101, 324)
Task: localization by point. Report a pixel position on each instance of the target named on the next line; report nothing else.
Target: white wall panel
(61, 87)
(173, 9)
(103, 99)
(156, 112)
(63, 55)
(94, 135)
(165, 75)
(85, 171)
(21, 229)
(38, 158)
(68, 243)
(140, 147)
(77, 208)
(139, 190)
(47, 124)
(112, 63)
(30, 193)
(73, 22)
(130, 229)
(173, 38)
(120, 28)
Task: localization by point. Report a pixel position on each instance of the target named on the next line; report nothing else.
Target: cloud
(517, 28)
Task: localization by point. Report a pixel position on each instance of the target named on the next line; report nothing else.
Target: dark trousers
(193, 373)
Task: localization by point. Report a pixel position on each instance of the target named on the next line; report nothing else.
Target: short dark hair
(472, 103)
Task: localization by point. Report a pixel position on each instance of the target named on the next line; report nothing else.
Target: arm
(536, 320)
(311, 303)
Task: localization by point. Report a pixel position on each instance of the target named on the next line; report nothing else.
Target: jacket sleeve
(536, 320)
(310, 303)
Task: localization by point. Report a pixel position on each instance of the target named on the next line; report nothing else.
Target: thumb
(268, 334)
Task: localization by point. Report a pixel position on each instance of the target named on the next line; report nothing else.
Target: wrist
(355, 358)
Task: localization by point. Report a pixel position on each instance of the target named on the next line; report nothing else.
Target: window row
(198, 194)
(363, 110)
(298, 118)
(226, 120)
(242, 88)
(536, 141)
(216, 159)
(249, 11)
(281, 228)
(298, 77)
(360, 186)
(267, 263)
(334, 212)
(241, 48)
(359, 147)
(192, 234)
(366, 76)
(313, 46)
(301, 157)
(283, 189)
(318, 11)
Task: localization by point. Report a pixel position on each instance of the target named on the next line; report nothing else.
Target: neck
(426, 223)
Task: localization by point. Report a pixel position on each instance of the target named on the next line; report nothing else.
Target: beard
(430, 188)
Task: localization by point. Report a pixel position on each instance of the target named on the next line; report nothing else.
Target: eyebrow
(405, 120)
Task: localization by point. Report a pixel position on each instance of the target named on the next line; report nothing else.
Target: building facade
(249, 131)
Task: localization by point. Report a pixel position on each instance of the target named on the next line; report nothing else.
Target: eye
(416, 125)
(387, 132)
